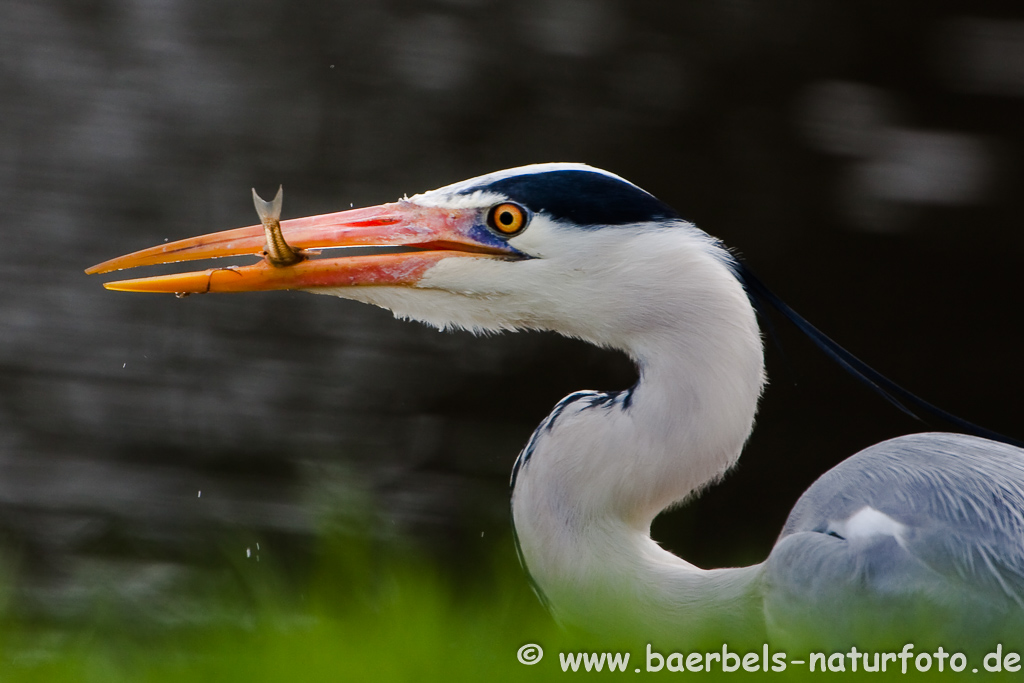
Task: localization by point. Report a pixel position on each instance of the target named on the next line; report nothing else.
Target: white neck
(599, 470)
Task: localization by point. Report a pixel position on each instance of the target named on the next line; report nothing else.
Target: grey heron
(922, 526)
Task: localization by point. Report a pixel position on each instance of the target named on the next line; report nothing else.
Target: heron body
(925, 526)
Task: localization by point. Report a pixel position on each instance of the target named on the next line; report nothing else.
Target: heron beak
(431, 235)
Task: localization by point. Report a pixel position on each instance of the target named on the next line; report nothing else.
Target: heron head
(555, 246)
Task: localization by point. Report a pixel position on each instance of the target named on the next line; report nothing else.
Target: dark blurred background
(864, 158)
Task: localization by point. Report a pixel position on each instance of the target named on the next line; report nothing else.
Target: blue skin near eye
(484, 235)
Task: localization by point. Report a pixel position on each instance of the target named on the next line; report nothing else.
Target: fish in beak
(290, 257)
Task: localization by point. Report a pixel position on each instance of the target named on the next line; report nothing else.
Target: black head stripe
(585, 198)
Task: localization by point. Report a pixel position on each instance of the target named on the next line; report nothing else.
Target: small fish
(277, 251)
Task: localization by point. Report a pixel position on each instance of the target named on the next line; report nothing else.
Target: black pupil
(506, 218)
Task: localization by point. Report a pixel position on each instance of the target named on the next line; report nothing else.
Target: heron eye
(507, 218)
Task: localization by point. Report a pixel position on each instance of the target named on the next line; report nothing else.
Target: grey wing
(922, 531)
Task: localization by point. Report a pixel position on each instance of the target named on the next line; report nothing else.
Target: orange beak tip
(124, 286)
(178, 283)
(130, 286)
(99, 268)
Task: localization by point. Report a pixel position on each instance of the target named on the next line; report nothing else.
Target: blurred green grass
(366, 610)
(363, 613)
(392, 619)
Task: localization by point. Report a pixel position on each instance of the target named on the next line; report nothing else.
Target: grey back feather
(952, 554)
